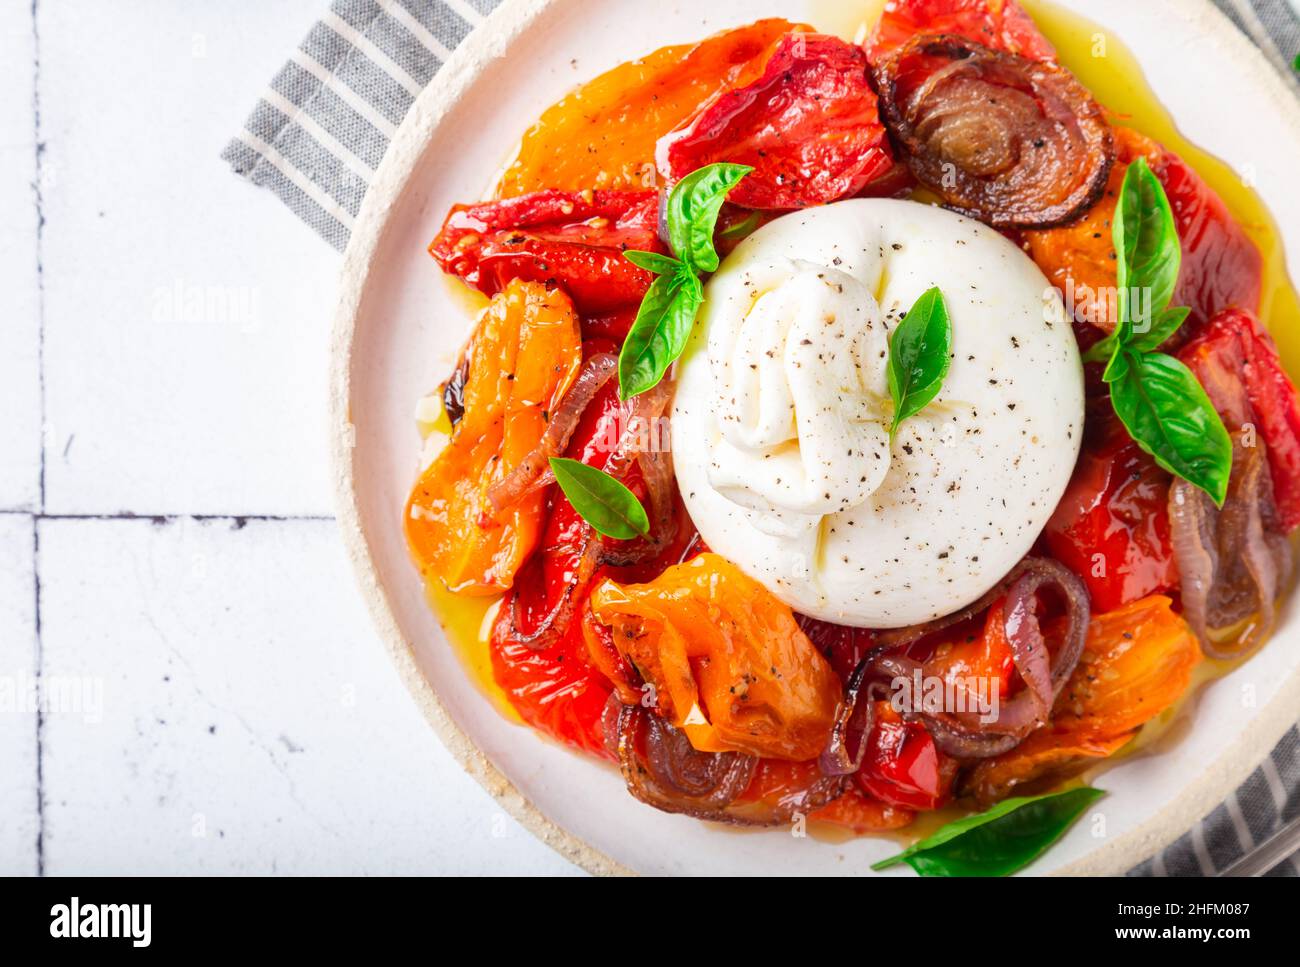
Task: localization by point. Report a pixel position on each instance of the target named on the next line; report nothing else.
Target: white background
(214, 699)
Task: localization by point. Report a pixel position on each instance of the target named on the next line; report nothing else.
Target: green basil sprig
(1158, 399)
(999, 841)
(920, 351)
(603, 502)
(667, 313)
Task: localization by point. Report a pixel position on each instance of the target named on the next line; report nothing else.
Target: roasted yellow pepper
(729, 664)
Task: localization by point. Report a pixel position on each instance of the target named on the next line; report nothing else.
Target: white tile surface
(186, 312)
(20, 425)
(18, 811)
(246, 722)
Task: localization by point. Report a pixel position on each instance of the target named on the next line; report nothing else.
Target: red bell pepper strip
(903, 766)
(574, 240)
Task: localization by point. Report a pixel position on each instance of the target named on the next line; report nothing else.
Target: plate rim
(490, 39)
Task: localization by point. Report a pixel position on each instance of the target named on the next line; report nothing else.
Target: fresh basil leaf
(603, 502)
(1146, 242)
(659, 334)
(653, 262)
(693, 207)
(1103, 349)
(743, 229)
(1165, 324)
(920, 351)
(1167, 413)
(1117, 368)
(999, 841)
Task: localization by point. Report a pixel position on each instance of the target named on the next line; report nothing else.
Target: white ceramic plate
(398, 328)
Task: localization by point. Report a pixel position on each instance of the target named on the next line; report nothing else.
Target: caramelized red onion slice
(1233, 562)
(1045, 672)
(663, 770)
(595, 373)
(854, 718)
(1010, 141)
(453, 391)
(961, 744)
(642, 428)
(552, 627)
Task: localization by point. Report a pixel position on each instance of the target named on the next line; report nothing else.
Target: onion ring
(1234, 562)
(662, 769)
(1013, 142)
(962, 734)
(855, 716)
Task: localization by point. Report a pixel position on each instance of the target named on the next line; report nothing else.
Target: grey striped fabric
(322, 126)
(320, 130)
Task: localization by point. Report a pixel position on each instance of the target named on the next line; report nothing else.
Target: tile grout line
(40, 705)
(37, 188)
(39, 197)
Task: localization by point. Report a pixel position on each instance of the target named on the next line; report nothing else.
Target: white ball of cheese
(782, 410)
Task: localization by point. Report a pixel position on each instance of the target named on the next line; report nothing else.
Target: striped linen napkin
(320, 129)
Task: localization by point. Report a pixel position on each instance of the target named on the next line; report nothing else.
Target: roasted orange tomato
(526, 351)
(982, 657)
(603, 135)
(1221, 266)
(1137, 662)
(727, 659)
(1079, 258)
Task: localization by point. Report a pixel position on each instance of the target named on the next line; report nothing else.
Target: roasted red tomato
(783, 789)
(575, 240)
(609, 327)
(903, 766)
(1238, 364)
(1112, 525)
(1000, 24)
(808, 125)
(556, 690)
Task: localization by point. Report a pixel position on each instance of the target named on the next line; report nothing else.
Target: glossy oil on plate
(400, 325)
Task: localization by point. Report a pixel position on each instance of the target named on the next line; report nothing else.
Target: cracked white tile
(248, 722)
